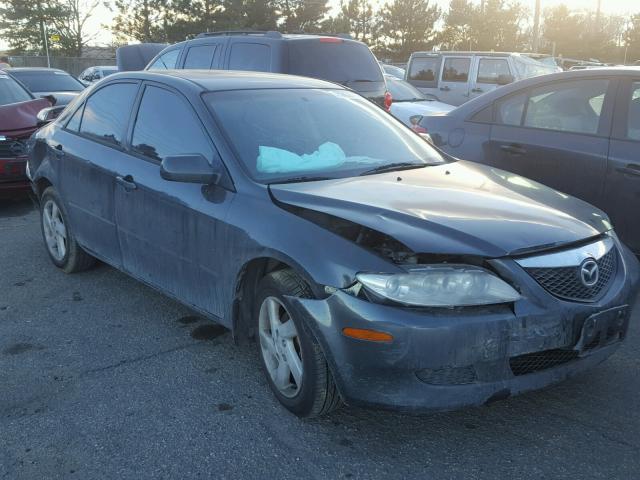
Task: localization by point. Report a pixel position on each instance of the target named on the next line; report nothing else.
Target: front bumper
(444, 359)
(13, 178)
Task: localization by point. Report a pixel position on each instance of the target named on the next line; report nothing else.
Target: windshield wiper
(393, 166)
(304, 178)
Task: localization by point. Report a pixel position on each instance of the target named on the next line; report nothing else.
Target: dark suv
(338, 59)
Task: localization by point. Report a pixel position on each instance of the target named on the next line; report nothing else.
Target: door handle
(477, 90)
(127, 182)
(630, 170)
(59, 150)
(445, 89)
(513, 149)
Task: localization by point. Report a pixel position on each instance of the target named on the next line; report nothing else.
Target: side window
(250, 56)
(633, 127)
(425, 71)
(166, 125)
(200, 56)
(509, 110)
(74, 122)
(568, 106)
(483, 116)
(489, 69)
(456, 69)
(166, 61)
(106, 112)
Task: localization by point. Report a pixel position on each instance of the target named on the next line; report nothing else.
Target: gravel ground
(102, 377)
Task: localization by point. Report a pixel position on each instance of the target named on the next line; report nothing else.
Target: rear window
(333, 59)
(49, 81)
(424, 71)
(11, 91)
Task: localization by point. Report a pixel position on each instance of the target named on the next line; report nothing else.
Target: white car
(94, 74)
(408, 101)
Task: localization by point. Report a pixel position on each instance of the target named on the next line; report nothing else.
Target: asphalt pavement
(103, 377)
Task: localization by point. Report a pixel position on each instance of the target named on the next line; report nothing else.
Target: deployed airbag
(328, 155)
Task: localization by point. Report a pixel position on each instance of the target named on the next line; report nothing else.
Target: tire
(69, 257)
(316, 394)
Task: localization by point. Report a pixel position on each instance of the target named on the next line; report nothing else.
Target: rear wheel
(61, 244)
(294, 364)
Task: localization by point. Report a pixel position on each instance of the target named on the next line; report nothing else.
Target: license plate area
(603, 328)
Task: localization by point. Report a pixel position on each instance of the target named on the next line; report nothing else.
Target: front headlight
(440, 286)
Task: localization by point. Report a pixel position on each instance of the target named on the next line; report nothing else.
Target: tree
(248, 15)
(303, 15)
(23, 23)
(190, 17)
(498, 26)
(632, 39)
(407, 26)
(456, 33)
(357, 18)
(142, 20)
(72, 31)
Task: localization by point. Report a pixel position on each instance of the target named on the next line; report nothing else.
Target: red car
(18, 110)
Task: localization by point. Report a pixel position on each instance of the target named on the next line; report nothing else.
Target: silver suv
(457, 77)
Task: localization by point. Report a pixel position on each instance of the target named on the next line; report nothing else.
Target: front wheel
(294, 364)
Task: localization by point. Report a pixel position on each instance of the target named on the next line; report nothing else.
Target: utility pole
(536, 28)
(43, 32)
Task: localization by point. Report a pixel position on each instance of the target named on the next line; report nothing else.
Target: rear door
(557, 134)
(202, 56)
(454, 80)
(486, 74)
(622, 196)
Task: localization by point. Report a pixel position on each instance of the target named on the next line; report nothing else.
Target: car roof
(462, 53)
(215, 80)
(34, 69)
(599, 72)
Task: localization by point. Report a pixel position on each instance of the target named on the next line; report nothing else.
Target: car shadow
(16, 207)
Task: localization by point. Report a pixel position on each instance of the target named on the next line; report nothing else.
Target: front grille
(565, 282)
(538, 361)
(448, 375)
(13, 148)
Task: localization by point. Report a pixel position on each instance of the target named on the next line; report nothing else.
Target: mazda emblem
(589, 272)
(17, 149)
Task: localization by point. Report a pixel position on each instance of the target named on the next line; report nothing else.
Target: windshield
(286, 134)
(48, 81)
(333, 59)
(527, 67)
(11, 91)
(402, 91)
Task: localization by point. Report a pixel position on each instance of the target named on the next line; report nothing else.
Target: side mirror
(49, 114)
(190, 169)
(52, 100)
(505, 79)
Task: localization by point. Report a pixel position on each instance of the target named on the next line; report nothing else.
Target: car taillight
(330, 40)
(388, 100)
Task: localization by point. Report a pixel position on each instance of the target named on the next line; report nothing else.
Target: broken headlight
(440, 286)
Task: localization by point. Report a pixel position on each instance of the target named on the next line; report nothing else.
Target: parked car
(578, 132)
(457, 77)
(335, 58)
(369, 267)
(18, 110)
(94, 74)
(409, 102)
(43, 82)
(392, 70)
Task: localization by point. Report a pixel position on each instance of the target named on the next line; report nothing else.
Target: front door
(454, 80)
(88, 150)
(169, 231)
(623, 175)
(556, 134)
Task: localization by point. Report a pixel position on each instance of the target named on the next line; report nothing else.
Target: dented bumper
(443, 359)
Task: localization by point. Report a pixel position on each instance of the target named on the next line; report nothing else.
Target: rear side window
(509, 110)
(166, 125)
(166, 61)
(107, 111)
(424, 71)
(633, 128)
(333, 59)
(489, 69)
(456, 69)
(568, 106)
(74, 122)
(200, 56)
(250, 56)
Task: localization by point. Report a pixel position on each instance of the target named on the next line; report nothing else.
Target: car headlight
(440, 286)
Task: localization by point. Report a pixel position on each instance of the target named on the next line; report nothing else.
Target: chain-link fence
(73, 65)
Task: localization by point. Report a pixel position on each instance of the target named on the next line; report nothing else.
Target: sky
(618, 7)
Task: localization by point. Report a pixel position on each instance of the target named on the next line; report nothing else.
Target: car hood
(454, 208)
(62, 98)
(20, 118)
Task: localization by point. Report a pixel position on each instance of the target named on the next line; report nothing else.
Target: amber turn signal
(365, 334)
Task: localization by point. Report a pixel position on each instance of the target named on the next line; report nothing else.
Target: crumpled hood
(454, 208)
(19, 118)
